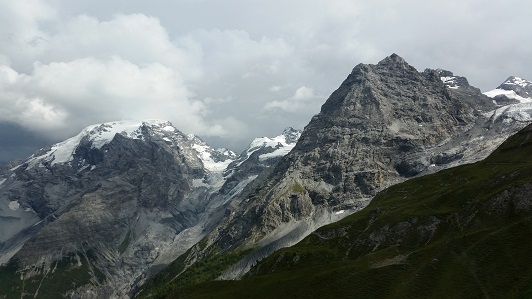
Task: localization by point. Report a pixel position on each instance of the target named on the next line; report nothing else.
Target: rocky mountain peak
(452, 81)
(291, 135)
(521, 86)
(376, 95)
(512, 91)
(394, 59)
(385, 123)
(96, 136)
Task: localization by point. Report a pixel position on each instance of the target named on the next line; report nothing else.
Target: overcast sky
(228, 71)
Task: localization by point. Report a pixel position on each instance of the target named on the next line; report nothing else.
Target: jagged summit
(452, 81)
(365, 82)
(378, 95)
(96, 136)
(385, 123)
(265, 148)
(291, 135)
(395, 61)
(512, 90)
(516, 83)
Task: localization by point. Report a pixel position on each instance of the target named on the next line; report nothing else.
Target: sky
(228, 71)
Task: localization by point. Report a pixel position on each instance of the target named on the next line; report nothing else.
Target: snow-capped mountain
(269, 147)
(513, 90)
(281, 144)
(258, 159)
(96, 136)
(117, 201)
(214, 160)
(135, 194)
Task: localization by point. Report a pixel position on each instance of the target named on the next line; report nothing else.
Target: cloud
(137, 38)
(88, 71)
(21, 35)
(229, 76)
(302, 97)
(60, 96)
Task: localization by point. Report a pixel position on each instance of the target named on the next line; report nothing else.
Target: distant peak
(444, 73)
(129, 123)
(514, 89)
(516, 81)
(291, 135)
(393, 59)
(290, 130)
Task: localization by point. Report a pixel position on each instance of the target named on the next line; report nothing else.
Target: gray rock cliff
(384, 124)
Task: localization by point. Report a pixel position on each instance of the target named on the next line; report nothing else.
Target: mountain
(386, 123)
(260, 155)
(133, 208)
(105, 207)
(459, 233)
(513, 90)
(94, 215)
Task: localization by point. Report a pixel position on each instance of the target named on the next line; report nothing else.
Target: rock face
(113, 202)
(95, 215)
(462, 232)
(384, 124)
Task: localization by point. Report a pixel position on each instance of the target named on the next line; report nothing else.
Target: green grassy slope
(69, 273)
(460, 233)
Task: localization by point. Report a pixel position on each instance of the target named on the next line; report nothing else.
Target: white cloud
(302, 97)
(64, 96)
(21, 36)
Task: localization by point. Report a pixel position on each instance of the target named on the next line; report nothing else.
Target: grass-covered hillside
(464, 232)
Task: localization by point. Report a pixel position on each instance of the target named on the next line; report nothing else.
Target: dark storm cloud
(17, 142)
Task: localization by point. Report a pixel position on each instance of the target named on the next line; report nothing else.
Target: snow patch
(169, 129)
(279, 143)
(266, 141)
(450, 82)
(207, 159)
(517, 112)
(14, 205)
(508, 93)
(280, 152)
(2, 181)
